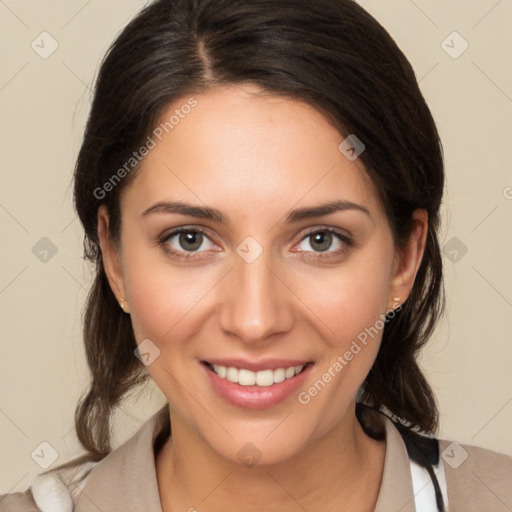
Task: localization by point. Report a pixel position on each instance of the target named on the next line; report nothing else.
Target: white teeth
(290, 372)
(231, 374)
(246, 378)
(262, 378)
(220, 370)
(279, 375)
(265, 378)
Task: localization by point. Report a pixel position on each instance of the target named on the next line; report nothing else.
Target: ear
(111, 258)
(408, 259)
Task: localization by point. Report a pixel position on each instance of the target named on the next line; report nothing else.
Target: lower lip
(256, 397)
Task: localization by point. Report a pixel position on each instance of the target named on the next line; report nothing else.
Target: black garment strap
(423, 450)
(426, 452)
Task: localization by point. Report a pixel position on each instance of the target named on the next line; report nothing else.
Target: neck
(340, 471)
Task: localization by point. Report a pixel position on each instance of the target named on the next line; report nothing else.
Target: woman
(226, 139)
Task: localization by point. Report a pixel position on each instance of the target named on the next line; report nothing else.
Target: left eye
(323, 239)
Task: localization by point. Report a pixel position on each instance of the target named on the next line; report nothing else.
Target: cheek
(350, 303)
(353, 306)
(161, 296)
(161, 304)
(349, 299)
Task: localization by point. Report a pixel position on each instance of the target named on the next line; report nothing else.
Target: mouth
(261, 378)
(259, 387)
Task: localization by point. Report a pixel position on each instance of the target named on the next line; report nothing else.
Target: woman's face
(257, 281)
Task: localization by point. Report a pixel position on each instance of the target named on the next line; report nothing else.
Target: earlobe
(408, 259)
(111, 258)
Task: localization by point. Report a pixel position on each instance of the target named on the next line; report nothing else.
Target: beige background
(44, 103)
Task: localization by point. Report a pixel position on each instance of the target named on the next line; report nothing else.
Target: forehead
(242, 149)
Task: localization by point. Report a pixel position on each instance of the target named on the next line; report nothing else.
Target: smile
(263, 378)
(265, 385)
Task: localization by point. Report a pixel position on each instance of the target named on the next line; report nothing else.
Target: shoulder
(18, 502)
(59, 489)
(53, 491)
(477, 476)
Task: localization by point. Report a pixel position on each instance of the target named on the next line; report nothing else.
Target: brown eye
(322, 240)
(190, 240)
(182, 243)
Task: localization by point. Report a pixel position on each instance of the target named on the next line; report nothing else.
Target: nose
(256, 303)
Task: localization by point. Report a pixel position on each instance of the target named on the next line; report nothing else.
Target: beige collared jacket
(471, 479)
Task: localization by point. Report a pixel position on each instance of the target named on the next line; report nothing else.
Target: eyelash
(190, 255)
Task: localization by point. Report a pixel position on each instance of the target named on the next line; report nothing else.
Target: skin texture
(255, 157)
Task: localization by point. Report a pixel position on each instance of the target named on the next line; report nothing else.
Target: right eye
(183, 242)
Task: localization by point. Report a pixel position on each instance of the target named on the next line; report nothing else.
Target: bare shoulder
(478, 476)
(18, 502)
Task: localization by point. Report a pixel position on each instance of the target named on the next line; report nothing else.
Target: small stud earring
(122, 304)
(396, 303)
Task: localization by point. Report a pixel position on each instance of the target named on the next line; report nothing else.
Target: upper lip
(257, 365)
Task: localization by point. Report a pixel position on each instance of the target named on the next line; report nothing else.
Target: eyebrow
(212, 214)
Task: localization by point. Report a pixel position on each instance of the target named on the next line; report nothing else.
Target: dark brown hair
(329, 53)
